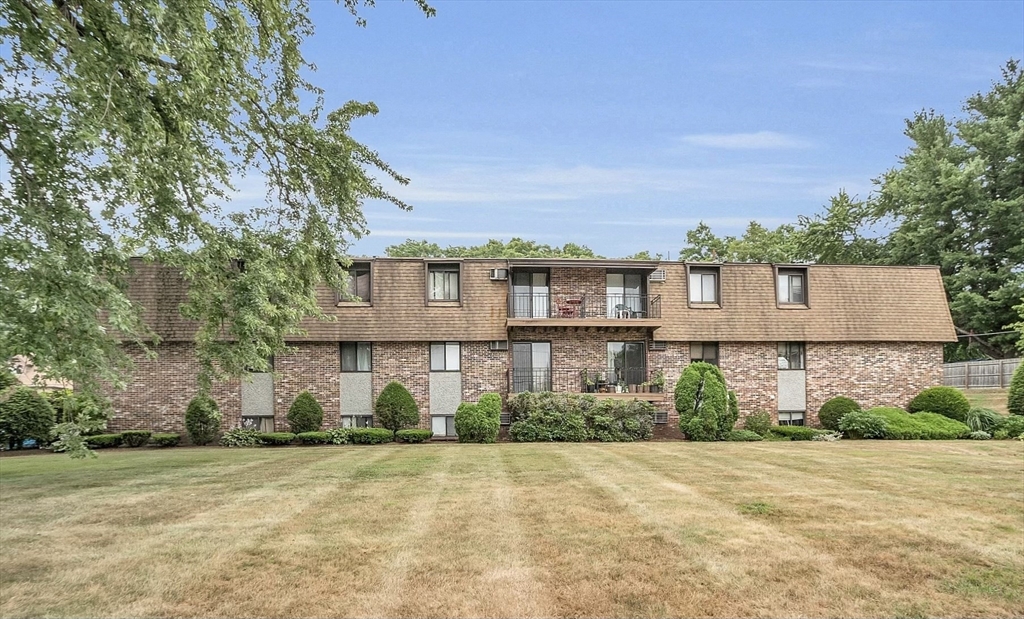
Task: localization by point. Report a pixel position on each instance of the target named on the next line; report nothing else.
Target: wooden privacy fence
(993, 374)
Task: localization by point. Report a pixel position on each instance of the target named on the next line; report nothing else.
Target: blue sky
(620, 125)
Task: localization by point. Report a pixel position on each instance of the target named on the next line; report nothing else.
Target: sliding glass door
(627, 363)
(531, 366)
(625, 295)
(530, 294)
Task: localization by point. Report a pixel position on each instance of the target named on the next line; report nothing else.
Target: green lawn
(866, 528)
(989, 398)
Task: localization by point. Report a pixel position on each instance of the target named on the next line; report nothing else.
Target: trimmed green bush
(272, 439)
(979, 435)
(522, 405)
(371, 436)
(101, 441)
(313, 438)
(946, 401)
(240, 437)
(896, 424)
(410, 435)
(339, 436)
(305, 414)
(1015, 399)
(702, 403)
(24, 414)
(135, 438)
(202, 420)
(983, 419)
(760, 422)
(862, 424)
(569, 417)
(1013, 425)
(743, 435)
(832, 411)
(795, 433)
(620, 421)
(479, 423)
(166, 439)
(395, 408)
(733, 410)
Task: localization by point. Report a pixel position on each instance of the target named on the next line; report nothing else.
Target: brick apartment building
(787, 338)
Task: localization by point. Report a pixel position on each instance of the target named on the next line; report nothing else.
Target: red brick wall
(313, 367)
(409, 364)
(483, 370)
(751, 370)
(574, 282)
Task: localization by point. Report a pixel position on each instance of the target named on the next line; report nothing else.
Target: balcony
(599, 310)
(611, 383)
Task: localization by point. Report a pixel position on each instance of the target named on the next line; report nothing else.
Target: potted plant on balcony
(620, 387)
(645, 387)
(589, 384)
(658, 382)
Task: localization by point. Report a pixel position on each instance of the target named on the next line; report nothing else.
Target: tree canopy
(515, 248)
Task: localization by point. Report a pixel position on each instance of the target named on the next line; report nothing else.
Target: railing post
(967, 375)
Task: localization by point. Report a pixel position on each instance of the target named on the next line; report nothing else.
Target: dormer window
(704, 286)
(792, 286)
(443, 282)
(359, 288)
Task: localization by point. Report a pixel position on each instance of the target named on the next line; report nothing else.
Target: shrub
(135, 438)
(371, 436)
(702, 403)
(795, 433)
(947, 401)
(202, 420)
(1000, 435)
(760, 422)
(1013, 425)
(743, 435)
(620, 421)
(862, 424)
(276, 438)
(305, 414)
(90, 413)
(733, 410)
(827, 436)
(100, 441)
(983, 419)
(524, 404)
(1015, 399)
(313, 438)
(548, 425)
(547, 416)
(240, 437)
(978, 435)
(395, 408)
(166, 439)
(479, 423)
(410, 435)
(832, 411)
(339, 436)
(24, 414)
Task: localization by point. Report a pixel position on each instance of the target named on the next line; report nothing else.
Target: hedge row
(569, 417)
(885, 422)
(132, 438)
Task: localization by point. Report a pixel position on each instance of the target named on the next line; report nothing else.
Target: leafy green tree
(757, 244)
(1015, 398)
(124, 128)
(702, 402)
(515, 248)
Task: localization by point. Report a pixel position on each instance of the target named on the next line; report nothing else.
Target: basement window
(443, 425)
(260, 424)
(791, 418)
(357, 421)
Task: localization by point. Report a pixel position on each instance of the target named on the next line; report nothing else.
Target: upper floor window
(356, 357)
(793, 287)
(791, 356)
(704, 351)
(443, 282)
(445, 356)
(359, 282)
(704, 285)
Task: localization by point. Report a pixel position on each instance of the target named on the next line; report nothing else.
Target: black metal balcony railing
(604, 380)
(619, 306)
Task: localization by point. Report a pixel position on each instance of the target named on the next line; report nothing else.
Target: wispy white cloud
(759, 140)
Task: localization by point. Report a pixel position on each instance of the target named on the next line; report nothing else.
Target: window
(792, 288)
(704, 351)
(443, 282)
(531, 297)
(444, 356)
(627, 363)
(443, 425)
(357, 421)
(791, 356)
(531, 366)
(356, 356)
(703, 285)
(260, 424)
(791, 418)
(359, 282)
(624, 295)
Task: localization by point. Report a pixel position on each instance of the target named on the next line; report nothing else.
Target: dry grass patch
(989, 398)
(649, 529)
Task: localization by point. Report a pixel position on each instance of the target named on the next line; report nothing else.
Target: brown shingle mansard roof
(846, 303)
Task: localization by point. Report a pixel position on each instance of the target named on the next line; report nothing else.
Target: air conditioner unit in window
(499, 275)
(657, 276)
(659, 345)
(499, 344)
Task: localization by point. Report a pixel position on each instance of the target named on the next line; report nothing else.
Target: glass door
(625, 295)
(530, 294)
(627, 363)
(531, 366)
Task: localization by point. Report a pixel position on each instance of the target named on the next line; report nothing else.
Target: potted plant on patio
(589, 384)
(658, 382)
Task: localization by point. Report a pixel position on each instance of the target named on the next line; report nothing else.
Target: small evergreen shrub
(794, 433)
(1000, 435)
(166, 439)
(371, 436)
(1015, 399)
(702, 402)
(862, 424)
(743, 435)
(305, 414)
(832, 411)
(272, 439)
(896, 424)
(760, 422)
(202, 420)
(240, 437)
(979, 435)
(733, 411)
(947, 401)
(827, 436)
(983, 419)
(313, 438)
(135, 438)
(102, 441)
(339, 436)
(410, 435)
(479, 423)
(395, 408)
(1013, 425)
(24, 414)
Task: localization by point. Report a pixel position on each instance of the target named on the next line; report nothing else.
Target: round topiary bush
(202, 420)
(947, 401)
(395, 408)
(702, 403)
(832, 412)
(305, 414)
(24, 414)
(1015, 400)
